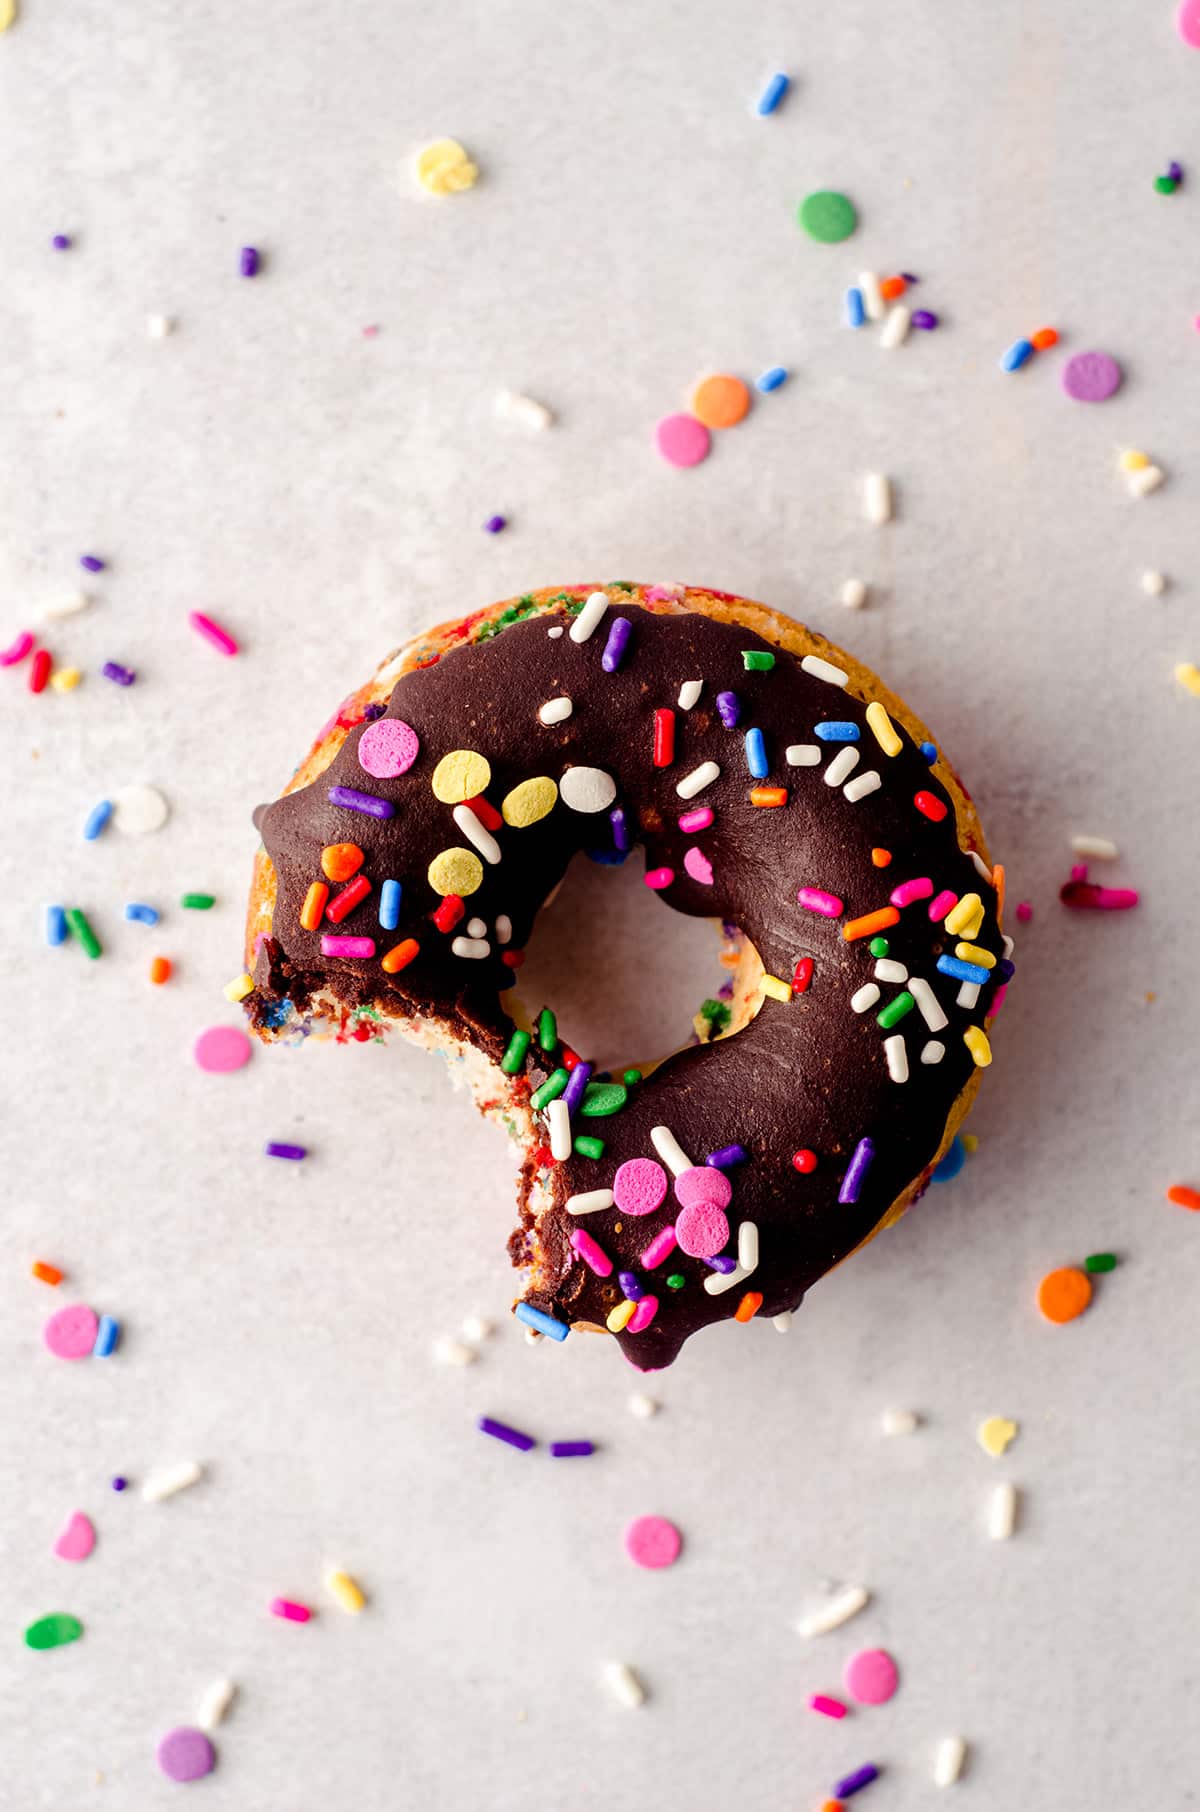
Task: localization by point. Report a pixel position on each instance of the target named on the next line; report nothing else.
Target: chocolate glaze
(808, 1073)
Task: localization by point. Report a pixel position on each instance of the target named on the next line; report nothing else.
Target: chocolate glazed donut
(771, 782)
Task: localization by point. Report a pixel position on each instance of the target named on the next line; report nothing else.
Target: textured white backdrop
(321, 493)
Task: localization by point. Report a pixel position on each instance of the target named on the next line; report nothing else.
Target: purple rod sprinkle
(274, 1149)
(630, 1286)
(730, 707)
(248, 261)
(620, 828)
(570, 1450)
(727, 1157)
(862, 1777)
(573, 1093)
(120, 676)
(366, 803)
(500, 1431)
(856, 1174)
(1174, 171)
(91, 563)
(723, 1265)
(618, 641)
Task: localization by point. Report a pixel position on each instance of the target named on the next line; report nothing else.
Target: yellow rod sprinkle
(778, 990)
(348, 1594)
(975, 953)
(976, 1041)
(1188, 675)
(960, 916)
(883, 729)
(619, 1316)
(239, 987)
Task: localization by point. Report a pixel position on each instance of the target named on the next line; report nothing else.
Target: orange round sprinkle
(160, 970)
(881, 857)
(1044, 338)
(1064, 1294)
(768, 795)
(400, 955)
(749, 1306)
(46, 1273)
(720, 401)
(341, 860)
(1183, 1197)
(891, 287)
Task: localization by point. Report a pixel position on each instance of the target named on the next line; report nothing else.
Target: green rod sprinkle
(550, 1089)
(895, 1011)
(1101, 1261)
(547, 1031)
(514, 1056)
(79, 925)
(757, 660)
(198, 902)
(587, 1147)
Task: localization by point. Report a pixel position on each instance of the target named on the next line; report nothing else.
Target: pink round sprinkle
(1187, 24)
(186, 1754)
(682, 440)
(388, 747)
(870, 1676)
(1091, 377)
(221, 1048)
(76, 1538)
(702, 1229)
(71, 1333)
(639, 1186)
(703, 1183)
(1024, 911)
(651, 1541)
(658, 878)
(698, 865)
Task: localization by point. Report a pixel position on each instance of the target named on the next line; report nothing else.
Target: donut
(772, 784)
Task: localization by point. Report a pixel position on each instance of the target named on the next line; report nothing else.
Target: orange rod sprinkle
(46, 1273)
(160, 970)
(1183, 1197)
(314, 906)
(749, 1306)
(768, 795)
(873, 922)
(401, 955)
(998, 884)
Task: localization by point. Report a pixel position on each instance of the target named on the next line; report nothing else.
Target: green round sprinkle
(879, 946)
(676, 1280)
(603, 1098)
(53, 1631)
(895, 1011)
(551, 1089)
(198, 902)
(547, 1030)
(757, 660)
(827, 216)
(1101, 1261)
(87, 937)
(514, 1056)
(587, 1147)
(631, 1077)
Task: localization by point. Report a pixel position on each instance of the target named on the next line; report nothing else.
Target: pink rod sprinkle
(828, 1708)
(816, 901)
(18, 651)
(287, 1607)
(658, 878)
(348, 946)
(212, 632)
(998, 998)
(1088, 896)
(698, 820)
(941, 906)
(643, 1315)
(908, 891)
(660, 1247)
(593, 1256)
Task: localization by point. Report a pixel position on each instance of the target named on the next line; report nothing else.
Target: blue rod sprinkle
(500, 1431)
(107, 1335)
(1018, 354)
(274, 1149)
(968, 972)
(852, 1783)
(96, 819)
(545, 1324)
(571, 1450)
(144, 915)
(772, 94)
(856, 312)
(771, 379)
(56, 925)
(389, 905)
(830, 731)
(756, 755)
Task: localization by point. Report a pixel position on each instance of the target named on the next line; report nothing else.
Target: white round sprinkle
(624, 1684)
(933, 1052)
(170, 1479)
(511, 406)
(1148, 479)
(555, 631)
(853, 594)
(588, 620)
(698, 779)
(1153, 583)
(454, 1352)
(1102, 848)
(895, 328)
(139, 810)
(68, 604)
(642, 1406)
(555, 711)
(476, 928)
(689, 693)
(477, 1328)
(782, 1323)
(948, 1761)
(1002, 1511)
(838, 1610)
(159, 326)
(877, 497)
(215, 1704)
(587, 789)
(898, 1421)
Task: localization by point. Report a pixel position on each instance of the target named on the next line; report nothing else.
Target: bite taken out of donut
(770, 782)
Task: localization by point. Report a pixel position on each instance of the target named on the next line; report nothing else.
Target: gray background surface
(321, 493)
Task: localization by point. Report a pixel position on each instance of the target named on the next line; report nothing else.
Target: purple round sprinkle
(119, 1483)
(185, 1754)
(851, 1783)
(618, 641)
(274, 1149)
(367, 803)
(61, 242)
(571, 1450)
(1006, 968)
(1091, 377)
(721, 1264)
(248, 261)
(494, 524)
(120, 676)
(924, 317)
(1174, 171)
(372, 712)
(91, 563)
(500, 1431)
(727, 1157)
(730, 707)
(573, 1093)
(629, 1284)
(620, 828)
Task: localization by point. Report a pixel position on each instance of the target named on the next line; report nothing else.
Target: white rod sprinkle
(718, 1282)
(559, 1116)
(888, 970)
(1002, 1511)
(748, 1247)
(669, 1150)
(588, 620)
(555, 711)
(804, 755)
(872, 297)
(853, 594)
(170, 1479)
(1103, 848)
(968, 995)
(782, 1323)
(511, 406)
(698, 779)
(215, 1704)
(689, 693)
(861, 785)
(1145, 480)
(624, 1684)
(831, 1616)
(899, 1421)
(448, 1351)
(503, 928)
(476, 832)
(877, 498)
(472, 947)
(67, 604)
(896, 1052)
(590, 1202)
(895, 328)
(842, 765)
(981, 866)
(812, 663)
(948, 1761)
(928, 1004)
(865, 998)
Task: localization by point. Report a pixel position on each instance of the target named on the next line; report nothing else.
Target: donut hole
(626, 976)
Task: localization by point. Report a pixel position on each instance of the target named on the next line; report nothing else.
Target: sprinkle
(215, 1703)
(689, 693)
(510, 406)
(824, 670)
(47, 1274)
(77, 1538)
(959, 921)
(112, 670)
(720, 401)
(204, 902)
(592, 1201)
(212, 632)
(928, 1005)
(624, 1684)
(1153, 583)
(868, 283)
(274, 1149)
(67, 604)
(366, 803)
(933, 1052)
(682, 440)
(827, 216)
(828, 1708)
(559, 1119)
(776, 989)
(856, 1173)
(925, 319)
(588, 620)
(65, 679)
(618, 1318)
(91, 563)
(167, 1480)
(698, 820)
(495, 525)
(670, 1151)
(1064, 1294)
(660, 1248)
(948, 1760)
(592, 1254)
(474, 831)
(853, 1783)
(1091, 377)
(1002, 1511)
(158, 327)
(1084, 895)
(474, 949)
(976, 1041)
(500, 1431)
(514, 1055)
(898, 1422)
(855, 307)
(445, 168)
(865, 998)
(698, 779)
(802, 975)
(896, 1009)
(39, 673)
(357, 949)
(870, 923)
(617, 643)
(831, 731)
(803, 754)
(1183, 1197)
(877, 498)
(17, 650)
(768, 798)
(59, 1627)
(1142, 483)
(757, 660)
(747, 1247)
(896, 1052)
(160, 970)
(290, 1610)
(838, 1610)
(587, 789)
(771, 380)
(1099, 1262)
(975, 953)
(931, 806)
(571, 1450)
(805, 1161)
(881, 858)
(815, 900)
(995, 1435)
(555, 711)
(910, 891)
(771, 95)
(842, 765)
(96, 820)
(313, 909)
(454, 1352)
(1018, 354)
(729, 709)
(107, 1335)
(858, 788)
(139, 810)
(1044, 339)
(664, 738)
(588, 1147)
(642, 1406)
(895, 328)
(871, 1676)
(1100, 847)
(550, 1090)
(577, 1083)
(749, 1306)
(248, 261)
(82, 931)
(631, 1289)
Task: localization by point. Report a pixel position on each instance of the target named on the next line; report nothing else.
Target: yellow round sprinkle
(239, 987)
(1133, 461)
(995, 1434)
(63, 679)
(456, 871)
(443, 168)
(532, 800)
(883, 729)
(347, 1591)
(619, 1316)
(459, 776)
(976, 1041)
(8, 12)
(1188, 675)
